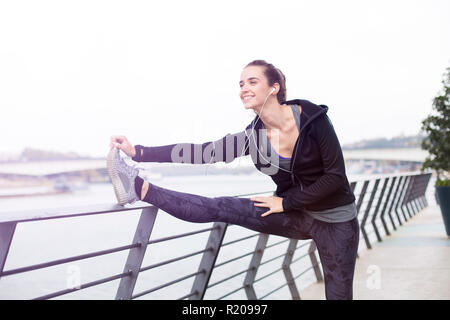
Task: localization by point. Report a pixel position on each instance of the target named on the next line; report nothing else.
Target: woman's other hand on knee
(275, 204)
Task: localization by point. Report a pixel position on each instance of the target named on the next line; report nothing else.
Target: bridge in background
(399, 154)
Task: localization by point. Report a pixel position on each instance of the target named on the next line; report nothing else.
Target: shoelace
(129, 169)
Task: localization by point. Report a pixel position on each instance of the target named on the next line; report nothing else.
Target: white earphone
(254, 125)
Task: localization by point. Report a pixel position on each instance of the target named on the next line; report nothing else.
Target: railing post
(6, 235)
(380, 199)
(361, 196)
(136, 255)
(397, 199)
(420, 189)
(353, 186)
(402, 196)
(394, 199)
(414, 207)
(315, 263)
(208, 260)
(417, 192)
(287, 269)
(417, 207)
(412, 195)
(366, 214)
(420, 202)
(409, 194)
(254, 265)
(388, 197)
(410, 208)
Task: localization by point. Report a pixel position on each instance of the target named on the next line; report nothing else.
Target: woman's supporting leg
(233, 210)
(337, 244)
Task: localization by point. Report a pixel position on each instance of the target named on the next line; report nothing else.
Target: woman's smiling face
(254, 87)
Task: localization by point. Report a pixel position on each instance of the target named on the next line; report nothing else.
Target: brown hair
(273, 75)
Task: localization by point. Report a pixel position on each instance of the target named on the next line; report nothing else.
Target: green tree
(437, 129)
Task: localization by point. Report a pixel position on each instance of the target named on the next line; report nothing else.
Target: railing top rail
(66, 212)
(388, 175)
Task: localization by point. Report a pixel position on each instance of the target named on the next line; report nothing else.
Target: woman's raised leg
(233, 210)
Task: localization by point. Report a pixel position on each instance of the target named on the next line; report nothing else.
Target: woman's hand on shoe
(122, 143)
(275, 204)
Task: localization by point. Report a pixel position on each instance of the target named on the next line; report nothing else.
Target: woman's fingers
(118, 140)
(260, 202)
(113, 142)
(259, 199)
(115, 139)
(267, 213)
(262, 205)
(122, 143)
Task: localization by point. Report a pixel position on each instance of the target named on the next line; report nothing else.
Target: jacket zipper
(296, 149)
(293, 162)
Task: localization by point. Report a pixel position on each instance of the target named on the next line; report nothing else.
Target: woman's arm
(225, 149)
(333, 166)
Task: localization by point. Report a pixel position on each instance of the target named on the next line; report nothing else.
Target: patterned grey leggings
(337, 243)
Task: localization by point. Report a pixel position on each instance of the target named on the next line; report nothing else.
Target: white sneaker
(122, 177)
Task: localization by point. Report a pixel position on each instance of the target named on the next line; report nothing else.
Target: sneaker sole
(119, 190)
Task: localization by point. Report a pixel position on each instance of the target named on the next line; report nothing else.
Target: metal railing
(383, 204)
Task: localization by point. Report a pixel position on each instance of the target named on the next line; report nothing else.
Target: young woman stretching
(292, 141)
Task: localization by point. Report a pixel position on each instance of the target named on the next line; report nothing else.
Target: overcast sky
(72, 73)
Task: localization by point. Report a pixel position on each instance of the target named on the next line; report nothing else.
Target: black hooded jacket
(317, 179)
